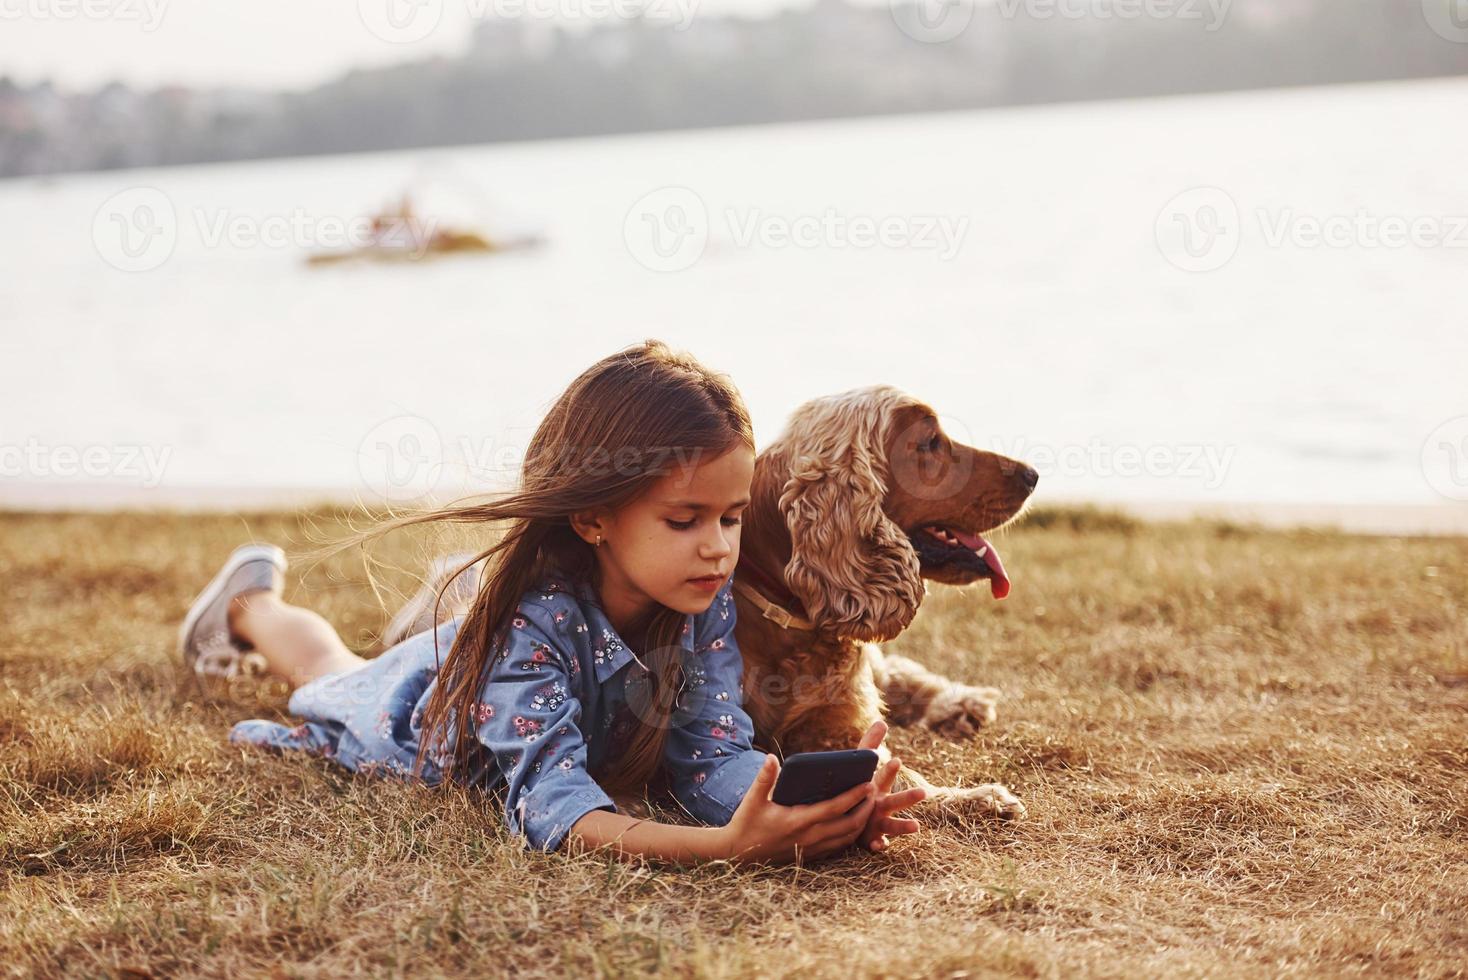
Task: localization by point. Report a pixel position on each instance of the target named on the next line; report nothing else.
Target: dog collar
(777, 614)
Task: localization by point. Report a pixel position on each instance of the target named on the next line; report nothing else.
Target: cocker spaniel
(861, 499)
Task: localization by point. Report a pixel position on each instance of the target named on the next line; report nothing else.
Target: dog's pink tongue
(999, 584)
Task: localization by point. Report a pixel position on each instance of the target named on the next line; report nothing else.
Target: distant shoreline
(154, 169)
(1424, 520)
(1430, 520)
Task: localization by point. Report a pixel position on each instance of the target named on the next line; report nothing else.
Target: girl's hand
(885, 803)
(765, 832)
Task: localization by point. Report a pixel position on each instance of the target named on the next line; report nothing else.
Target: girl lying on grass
(598, 655)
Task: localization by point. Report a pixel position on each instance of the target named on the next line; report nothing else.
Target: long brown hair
(627, 421)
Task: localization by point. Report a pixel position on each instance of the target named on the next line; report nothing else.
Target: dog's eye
(932, 445)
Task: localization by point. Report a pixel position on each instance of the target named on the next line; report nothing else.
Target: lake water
(1032, 273)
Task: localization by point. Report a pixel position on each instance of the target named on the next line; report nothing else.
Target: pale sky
(257, 43)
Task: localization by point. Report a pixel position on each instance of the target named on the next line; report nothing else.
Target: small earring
(598, 540)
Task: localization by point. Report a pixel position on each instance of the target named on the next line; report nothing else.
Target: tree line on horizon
(522, 80)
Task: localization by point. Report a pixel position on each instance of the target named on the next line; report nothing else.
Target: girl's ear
(851, 567)
(590, 526)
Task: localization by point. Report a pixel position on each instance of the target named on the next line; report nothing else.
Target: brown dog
(859, 501)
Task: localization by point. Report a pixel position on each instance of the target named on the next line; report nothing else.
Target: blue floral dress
(554, 708)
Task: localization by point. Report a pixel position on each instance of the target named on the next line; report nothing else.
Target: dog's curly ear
(853, 569)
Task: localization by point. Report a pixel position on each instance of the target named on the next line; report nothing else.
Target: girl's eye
(685, 525)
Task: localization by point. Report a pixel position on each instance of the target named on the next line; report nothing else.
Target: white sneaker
(208, 650)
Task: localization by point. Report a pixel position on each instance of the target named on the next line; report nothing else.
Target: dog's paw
(960, 711)
(990, 800)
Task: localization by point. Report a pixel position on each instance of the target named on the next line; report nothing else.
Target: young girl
(599, 651)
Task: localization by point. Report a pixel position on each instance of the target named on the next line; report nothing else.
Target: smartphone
(810, 777)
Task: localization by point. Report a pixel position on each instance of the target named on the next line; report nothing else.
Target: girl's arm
(629, 836)
(760, 831)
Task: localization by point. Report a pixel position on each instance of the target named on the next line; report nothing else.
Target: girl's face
(677, 543)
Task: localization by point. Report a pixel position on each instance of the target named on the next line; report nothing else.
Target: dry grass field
(1244, 752)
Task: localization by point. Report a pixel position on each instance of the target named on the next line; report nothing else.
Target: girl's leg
(298, 644)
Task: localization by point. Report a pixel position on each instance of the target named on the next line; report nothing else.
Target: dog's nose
(1028, 477)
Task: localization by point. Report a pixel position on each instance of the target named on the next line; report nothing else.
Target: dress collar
(609, 653)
